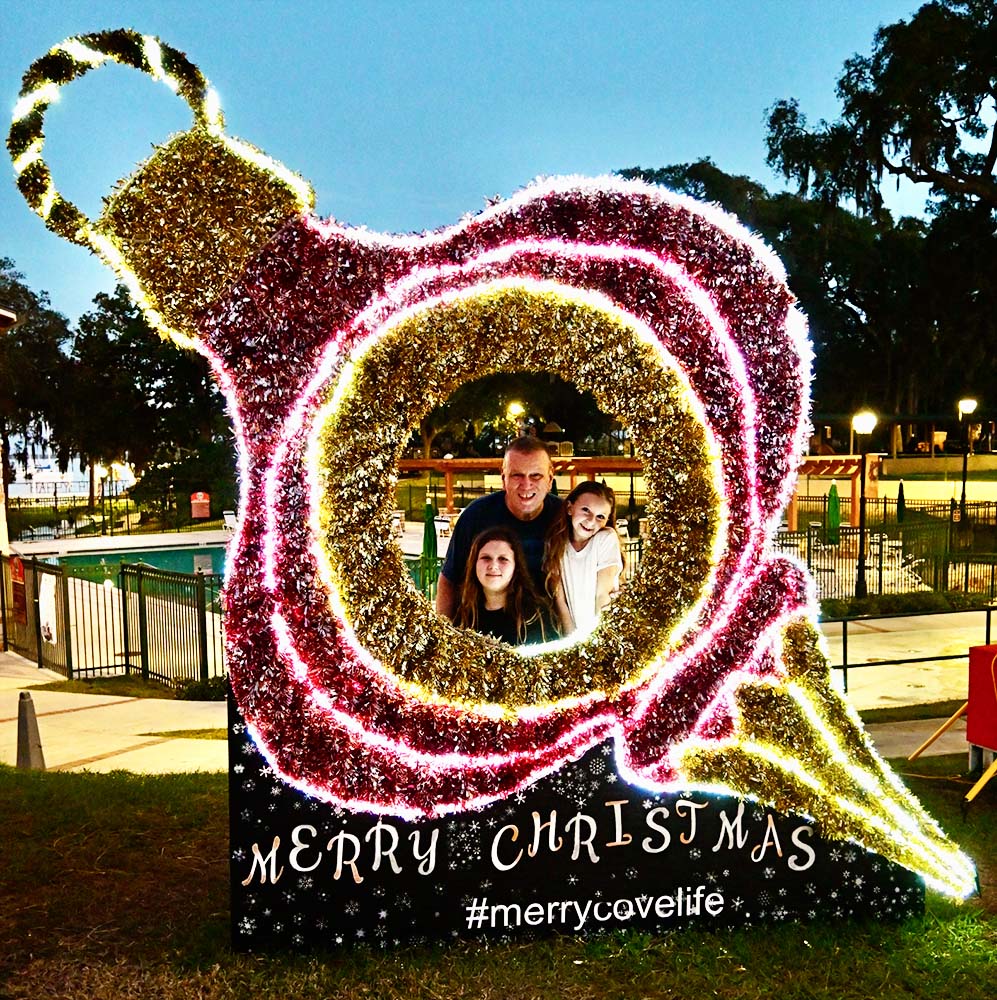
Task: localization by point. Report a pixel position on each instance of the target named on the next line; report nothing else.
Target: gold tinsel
(190, 218)
(798, 748)
(416, 366)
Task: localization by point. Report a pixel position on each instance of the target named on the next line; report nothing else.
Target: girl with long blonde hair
(583, 558)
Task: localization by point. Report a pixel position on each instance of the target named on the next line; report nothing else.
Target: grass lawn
(116, 886)
(120, 686)
(912, 713)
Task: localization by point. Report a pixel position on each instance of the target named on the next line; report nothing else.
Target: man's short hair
(526, 446)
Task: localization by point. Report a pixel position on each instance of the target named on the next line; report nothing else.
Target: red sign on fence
(18, 592)
(981, 720)
(200, 505)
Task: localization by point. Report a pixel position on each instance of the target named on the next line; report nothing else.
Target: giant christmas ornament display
(358, 710)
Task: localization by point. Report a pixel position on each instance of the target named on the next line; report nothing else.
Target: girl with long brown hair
(497, 596)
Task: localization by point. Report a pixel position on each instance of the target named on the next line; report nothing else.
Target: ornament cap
(180, 230)
(186, 223)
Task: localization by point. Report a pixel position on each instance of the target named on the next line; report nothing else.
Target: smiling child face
(588, 515)
(494, 567)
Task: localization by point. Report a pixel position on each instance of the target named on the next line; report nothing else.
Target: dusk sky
(406, 116)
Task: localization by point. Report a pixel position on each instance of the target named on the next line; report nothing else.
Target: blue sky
(405, 116)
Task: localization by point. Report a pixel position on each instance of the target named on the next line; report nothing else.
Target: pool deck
(410, 542)
(122, 543)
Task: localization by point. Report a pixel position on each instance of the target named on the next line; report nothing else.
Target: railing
(37, 518)
(882, 511)
(901, 560)
(844, 666)
(95, 621)
(35, 613)
(171, 624)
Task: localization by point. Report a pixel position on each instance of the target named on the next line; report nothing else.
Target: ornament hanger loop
(68, 61)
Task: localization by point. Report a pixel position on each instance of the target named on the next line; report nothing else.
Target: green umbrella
(429, 561)
(833, 515)
(901, 505)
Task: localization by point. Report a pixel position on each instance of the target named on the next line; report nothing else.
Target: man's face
(526, 480)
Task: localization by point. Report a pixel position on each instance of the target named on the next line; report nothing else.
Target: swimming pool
(207, 559)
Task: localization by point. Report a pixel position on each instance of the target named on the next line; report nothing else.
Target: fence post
(66, 624)
(143, 631)
(844, 654)
(202, 623)
(4, 569)
(123, 587)
(882, 546)
(34, 605)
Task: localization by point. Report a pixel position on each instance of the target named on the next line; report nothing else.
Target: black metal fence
(95, 621)
(34, 608)
(171, 625)
(884, 511)
(904, 558)
(36, 518)
(86, 621)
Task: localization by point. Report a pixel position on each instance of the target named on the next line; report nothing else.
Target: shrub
(206, 689)
(902, 604)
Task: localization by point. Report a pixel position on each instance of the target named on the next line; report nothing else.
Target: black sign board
(579, 852)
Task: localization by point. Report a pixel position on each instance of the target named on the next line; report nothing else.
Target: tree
(920, 107)
(477, 409)
(923, 107)
(903, 315)
(33, 367)
(137, 397)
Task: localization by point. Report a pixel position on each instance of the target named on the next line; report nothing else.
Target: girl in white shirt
(583, 558)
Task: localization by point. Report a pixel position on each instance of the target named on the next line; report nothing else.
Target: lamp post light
(101, 474)
(966, 407)
(514, 414)
(8, 321)
(863, 424)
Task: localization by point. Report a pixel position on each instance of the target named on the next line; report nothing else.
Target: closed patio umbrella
(901, 504)
(833, 515)
(428, 561)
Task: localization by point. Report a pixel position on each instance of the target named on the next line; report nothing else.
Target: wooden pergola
(825, 466)
(838, 467)
(575, 468)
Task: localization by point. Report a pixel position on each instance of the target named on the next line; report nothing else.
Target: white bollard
(29, 743)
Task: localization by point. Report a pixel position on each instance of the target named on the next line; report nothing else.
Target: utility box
(200, 506)
(981, 718)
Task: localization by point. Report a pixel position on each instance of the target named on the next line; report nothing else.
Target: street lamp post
(8, 320)
(966, 407)
(863, 424)
(515, 412)
(632, 524)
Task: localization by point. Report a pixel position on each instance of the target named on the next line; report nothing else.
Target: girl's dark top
(502, 626)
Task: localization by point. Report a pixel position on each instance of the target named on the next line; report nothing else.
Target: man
(524, 505)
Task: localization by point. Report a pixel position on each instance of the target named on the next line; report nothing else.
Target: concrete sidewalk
(99, 733)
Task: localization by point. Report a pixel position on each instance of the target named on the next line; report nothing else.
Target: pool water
(207, 559)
